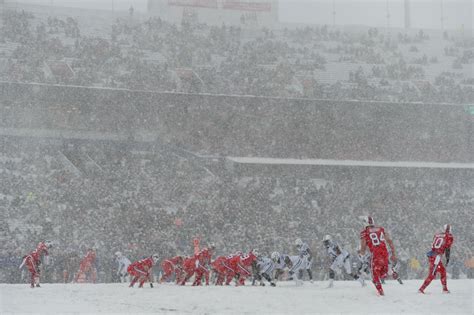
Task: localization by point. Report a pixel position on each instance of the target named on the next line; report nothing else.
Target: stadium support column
(407, 14)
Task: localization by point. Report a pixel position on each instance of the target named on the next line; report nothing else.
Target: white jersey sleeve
(265, 265)
(333, 251)
(297, 263)
(123, 263)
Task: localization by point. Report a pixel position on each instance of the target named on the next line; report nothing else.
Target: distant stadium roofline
(322, 162)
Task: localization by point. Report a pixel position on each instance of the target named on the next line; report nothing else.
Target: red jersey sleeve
(449, 240)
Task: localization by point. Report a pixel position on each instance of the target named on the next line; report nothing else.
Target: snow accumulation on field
(345, 298)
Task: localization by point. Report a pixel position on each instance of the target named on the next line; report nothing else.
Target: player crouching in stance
(141, 270)
(170, 266)
(32, 261)
(375, 238)
(189, 267)
(263, 269)
(339, 258)
(122, 266)
(441, 245)
(294, 265)
(240, 266)
(203, 262)
(220, 269)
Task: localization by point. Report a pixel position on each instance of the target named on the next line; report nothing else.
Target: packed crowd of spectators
(112, 196)
(248, 126)
(141, 203)
(312, 62)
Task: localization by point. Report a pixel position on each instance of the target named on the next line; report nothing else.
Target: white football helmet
(118, 254)
(327, 239)
(447, 228)
(211, 246)
(255, 252)
(369, 221)
(275, 256)
(155, 258)
(298, 242)
(48, 244)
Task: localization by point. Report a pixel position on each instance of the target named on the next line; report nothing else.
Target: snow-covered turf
(286, 298)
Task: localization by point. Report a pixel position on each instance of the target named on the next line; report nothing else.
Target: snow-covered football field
(286, 298)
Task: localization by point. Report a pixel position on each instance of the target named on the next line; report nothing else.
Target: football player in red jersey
(375, 238)
(203, 262)
(232, 261)
(87, 267)
(170, 265)
(189, 267)
(441, 245)
(241, 266)
(33, 260)
(220, 269)
(141, 270)
(249, 262)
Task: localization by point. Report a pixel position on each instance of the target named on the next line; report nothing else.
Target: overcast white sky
(425, 13)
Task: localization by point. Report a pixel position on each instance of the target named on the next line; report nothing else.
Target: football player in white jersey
(305, 253)
(339, 258)
(294, 265)
(361, 266)
(123, 263)
(280, 264)
(264, 269)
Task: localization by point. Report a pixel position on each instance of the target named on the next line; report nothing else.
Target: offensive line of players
(373, 261)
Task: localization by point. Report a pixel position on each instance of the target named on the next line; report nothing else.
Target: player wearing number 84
(375, 238)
